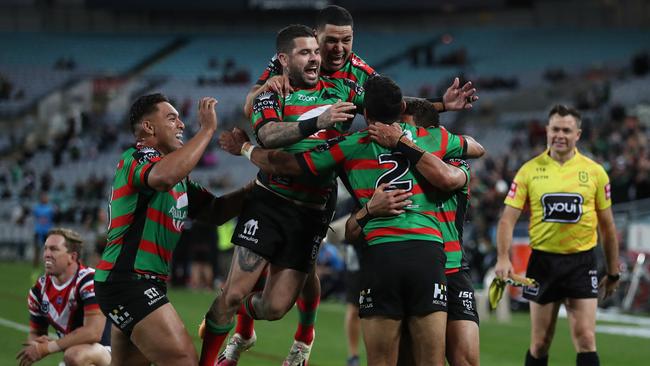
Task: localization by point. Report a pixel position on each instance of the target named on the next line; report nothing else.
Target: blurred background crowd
(69, 70)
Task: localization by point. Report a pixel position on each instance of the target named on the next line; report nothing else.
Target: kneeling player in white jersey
(64, 298)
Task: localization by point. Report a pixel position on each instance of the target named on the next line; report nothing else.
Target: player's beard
(298, 77)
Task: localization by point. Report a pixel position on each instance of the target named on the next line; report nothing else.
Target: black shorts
(125, 303)
(562, 276)
(460, 292)
(106, 334)
(352, 287)
(403, 279)
(285, 234)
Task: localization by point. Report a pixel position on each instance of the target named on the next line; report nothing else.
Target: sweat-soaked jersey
(304, 104)
(364, 165)
(145, 225)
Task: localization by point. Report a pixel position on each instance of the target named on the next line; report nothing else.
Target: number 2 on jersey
(400, 166)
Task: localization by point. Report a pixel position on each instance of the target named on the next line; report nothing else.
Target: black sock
(587, 359)
(532, 361)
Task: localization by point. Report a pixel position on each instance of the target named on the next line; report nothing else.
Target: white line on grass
(623, 330)
(13, 325)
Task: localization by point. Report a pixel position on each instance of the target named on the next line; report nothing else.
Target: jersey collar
(547, 156)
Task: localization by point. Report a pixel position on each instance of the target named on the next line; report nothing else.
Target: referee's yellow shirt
(563, 201)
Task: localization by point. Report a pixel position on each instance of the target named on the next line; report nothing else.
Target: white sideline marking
(19, 327)
(13, 325)
(623, 330)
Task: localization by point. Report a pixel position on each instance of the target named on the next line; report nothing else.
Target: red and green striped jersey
(364, 165)
(354, 69)
(145, 225)
(451, 215)
(301, 105)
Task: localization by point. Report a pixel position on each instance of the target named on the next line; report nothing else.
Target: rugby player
(151, 198)
(367, 164)
(64, 298)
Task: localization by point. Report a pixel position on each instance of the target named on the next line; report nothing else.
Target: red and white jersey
(62, 306)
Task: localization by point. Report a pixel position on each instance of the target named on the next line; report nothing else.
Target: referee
(569, 198)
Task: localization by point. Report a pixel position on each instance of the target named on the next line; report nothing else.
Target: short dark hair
(334, 15)
(424, 113)
(284, 39)
(143, 106)
(563, 110)
(383, 99)
(73, 241)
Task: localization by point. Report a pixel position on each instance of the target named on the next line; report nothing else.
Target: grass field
(501, 344)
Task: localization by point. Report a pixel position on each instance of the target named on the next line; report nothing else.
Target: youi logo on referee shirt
(562, 207)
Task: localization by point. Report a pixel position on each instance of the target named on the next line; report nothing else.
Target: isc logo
(562, 207)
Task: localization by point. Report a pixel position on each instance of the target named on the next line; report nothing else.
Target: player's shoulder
(85, 272)
(358, 63)
(266, 99)
(40, 282)
(142, 154)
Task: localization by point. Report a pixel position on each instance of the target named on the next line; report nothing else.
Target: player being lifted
(334, 30)
(366, 165)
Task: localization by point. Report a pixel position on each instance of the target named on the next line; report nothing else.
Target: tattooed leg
(245, 269)
(280, 293)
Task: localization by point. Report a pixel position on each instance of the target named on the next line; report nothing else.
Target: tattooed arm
(278, 134)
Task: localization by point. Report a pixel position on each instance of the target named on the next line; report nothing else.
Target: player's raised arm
(456, 98)
(177, 164)
(474, 148)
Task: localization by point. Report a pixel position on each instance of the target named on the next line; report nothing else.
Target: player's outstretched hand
(385, 135)
(208, 113)
(457, 98)
(607, 287)
(388, 203)
(232, 141)
(503, 268)
(338, 112)
(279, 84)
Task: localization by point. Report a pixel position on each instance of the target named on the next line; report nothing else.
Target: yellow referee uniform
(563, 200)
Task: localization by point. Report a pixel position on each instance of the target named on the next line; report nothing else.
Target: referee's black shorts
(562, 276)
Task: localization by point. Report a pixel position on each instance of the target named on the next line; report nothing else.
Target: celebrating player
(367, 165)
(151, 197)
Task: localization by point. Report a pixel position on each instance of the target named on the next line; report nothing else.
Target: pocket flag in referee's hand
(498, 286)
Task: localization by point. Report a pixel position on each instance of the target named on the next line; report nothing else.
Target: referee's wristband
(614, 277)
(412, 154)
